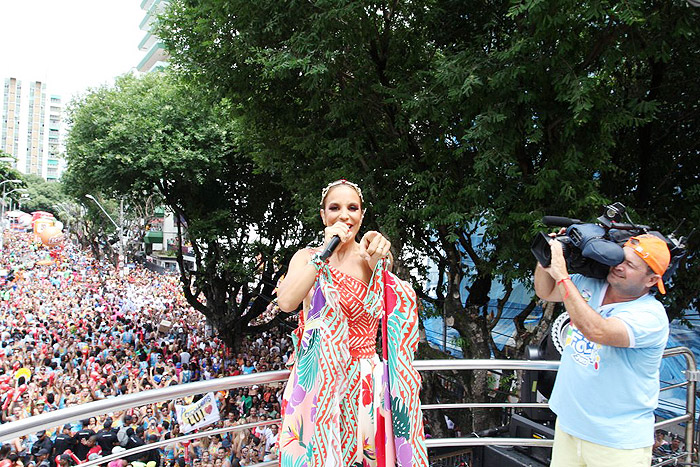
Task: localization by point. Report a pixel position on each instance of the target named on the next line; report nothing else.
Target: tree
(7, 172)
(6, 169)
(465, 121)
(156, 132)
(43, 195)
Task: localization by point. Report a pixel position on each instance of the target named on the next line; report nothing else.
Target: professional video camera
(591, 249)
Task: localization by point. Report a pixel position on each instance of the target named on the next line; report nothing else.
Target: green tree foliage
(465, 121)
(43, 195)
(156, 132)
(7, 172)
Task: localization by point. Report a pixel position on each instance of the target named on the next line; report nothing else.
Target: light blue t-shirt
(607, 395)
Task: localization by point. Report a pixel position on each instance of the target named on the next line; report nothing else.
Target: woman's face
(343, 204)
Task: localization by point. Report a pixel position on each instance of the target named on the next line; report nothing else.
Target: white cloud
(69, 44)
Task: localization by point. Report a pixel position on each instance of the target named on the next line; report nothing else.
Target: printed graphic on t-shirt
(585, 352)
(586, 295)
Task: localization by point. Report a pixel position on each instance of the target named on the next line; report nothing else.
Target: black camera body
(592, 249)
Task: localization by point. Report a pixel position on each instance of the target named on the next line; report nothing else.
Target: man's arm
(605, 331)
(545, 285)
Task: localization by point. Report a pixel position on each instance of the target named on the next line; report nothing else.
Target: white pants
(570, 451)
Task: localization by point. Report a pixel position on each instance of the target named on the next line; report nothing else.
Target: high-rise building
(10, 116)
(25, 113)
(156, 57)
(35, 131)
(54, 153)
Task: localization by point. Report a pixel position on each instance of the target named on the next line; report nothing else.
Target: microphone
(557, 221)
(330, 248)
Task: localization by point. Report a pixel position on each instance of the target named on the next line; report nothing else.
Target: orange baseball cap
(654, 252)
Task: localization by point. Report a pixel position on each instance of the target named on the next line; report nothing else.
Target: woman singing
(343, 406)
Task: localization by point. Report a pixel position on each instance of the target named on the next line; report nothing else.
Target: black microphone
(330, 248)
(559, 221)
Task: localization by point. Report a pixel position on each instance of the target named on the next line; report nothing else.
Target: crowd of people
(663, 448)
(75, 330)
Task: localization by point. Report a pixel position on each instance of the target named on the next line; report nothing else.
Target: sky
(71, 45)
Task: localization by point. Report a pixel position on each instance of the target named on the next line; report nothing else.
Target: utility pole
(2, 211)
(122, 246)
(120, 252)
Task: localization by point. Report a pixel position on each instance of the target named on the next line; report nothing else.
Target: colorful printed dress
(343, 406)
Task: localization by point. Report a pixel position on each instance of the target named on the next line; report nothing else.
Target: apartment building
(156, 57)
(32, 128)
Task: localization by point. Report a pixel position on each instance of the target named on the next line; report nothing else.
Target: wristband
(563, 282)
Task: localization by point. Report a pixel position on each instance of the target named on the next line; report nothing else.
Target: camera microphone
(556, 221)
(330, 248)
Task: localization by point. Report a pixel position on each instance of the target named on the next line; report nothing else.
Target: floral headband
(342, 181)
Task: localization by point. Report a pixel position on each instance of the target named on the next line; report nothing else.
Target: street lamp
(16, 189)
(23, 197)
(10, 181)
(24, 190)
(119, 229)
(2, 211)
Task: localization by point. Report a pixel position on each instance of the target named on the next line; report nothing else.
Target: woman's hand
(340, 229)
(373, 247)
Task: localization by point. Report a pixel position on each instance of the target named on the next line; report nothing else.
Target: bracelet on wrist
(563, 282)
(317, 262)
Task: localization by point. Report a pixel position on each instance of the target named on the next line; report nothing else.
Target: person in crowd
(42, 443)
(63, 442)
(107, 437)
(41, 458)
(659, 442)
(613, 352)
(65, 460)
(94, 449)
(83, 443)
(327, 407)
(672, 448)
(152, 455)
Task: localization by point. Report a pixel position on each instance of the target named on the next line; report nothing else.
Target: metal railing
(692, 377)
(92, 409)
(60, 417)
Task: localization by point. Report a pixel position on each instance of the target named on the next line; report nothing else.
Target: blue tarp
(504, 329)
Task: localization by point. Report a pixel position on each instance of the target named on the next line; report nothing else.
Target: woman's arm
(300, 277)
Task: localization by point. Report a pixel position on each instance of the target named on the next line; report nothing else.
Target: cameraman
(607, 386)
